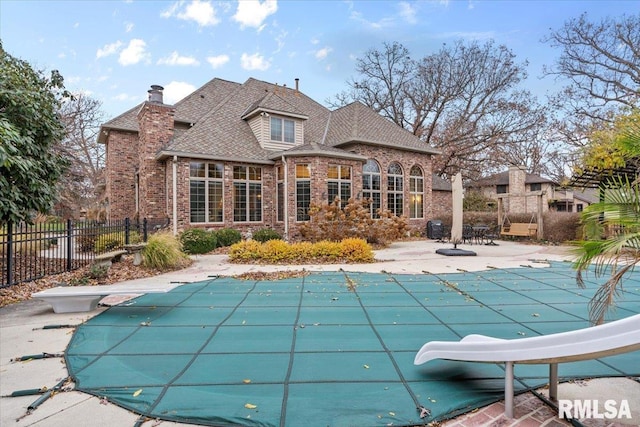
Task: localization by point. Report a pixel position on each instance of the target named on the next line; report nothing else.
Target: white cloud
(135, 52)
(408, 12)
(176, 59)
(217, 61)
(323, 53)
(109, 49)
(125, 97)
(201, 12)
(175, 91)
(128, 27)
(254, 62)
(252, 13)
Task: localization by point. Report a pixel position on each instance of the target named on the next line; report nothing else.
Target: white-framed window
(339, 184)
(303, 191)
(205, 192)
(395, 192)
(283, 130)
(247, 194)
(371, 187)
(416, 193)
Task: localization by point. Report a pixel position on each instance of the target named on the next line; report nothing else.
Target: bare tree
(601, 62)
(463, 100)
(81, 188)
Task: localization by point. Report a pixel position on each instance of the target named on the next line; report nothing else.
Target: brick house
(518, 191)
(253, 155)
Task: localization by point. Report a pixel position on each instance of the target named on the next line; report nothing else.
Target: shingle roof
(217, 112)
(440, 184)
(315, 149)
(358, 123)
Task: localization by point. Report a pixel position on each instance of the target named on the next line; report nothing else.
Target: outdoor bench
(521, 229)
(609, 339)
(107, 258)
(136, 250)
(71, 299)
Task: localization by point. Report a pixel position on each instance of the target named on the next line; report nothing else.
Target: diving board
(609, 339)
(71, 299)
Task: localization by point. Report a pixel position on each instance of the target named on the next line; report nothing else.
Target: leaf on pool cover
(246, 381)
(250, 406)
(137, 392)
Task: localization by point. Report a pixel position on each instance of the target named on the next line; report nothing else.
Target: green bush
(265, 234)
(228, 237)
(198, 241)
(164, 252)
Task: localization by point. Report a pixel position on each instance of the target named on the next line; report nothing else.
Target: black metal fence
(29, 252)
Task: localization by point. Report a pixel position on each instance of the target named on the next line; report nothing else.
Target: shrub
(278, 251)
(275, 251)
(98, 271)
(266, 234)
(562, 227)
(164, 252)
(245, 251)
(228, 236)
(198, 241)
(356, 250)
(326, 249)
(332, 222)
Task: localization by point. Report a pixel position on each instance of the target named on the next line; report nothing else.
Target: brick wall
(155, 122)
(407, 159)
(442, 206)
(121, 166)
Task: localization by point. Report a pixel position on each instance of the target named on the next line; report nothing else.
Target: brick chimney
(156, 126)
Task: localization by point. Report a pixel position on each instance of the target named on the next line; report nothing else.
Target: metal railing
(32, 251)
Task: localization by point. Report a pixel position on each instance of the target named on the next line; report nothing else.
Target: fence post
(145, 233)
(10, 253)
(127, 230)
(69, 244)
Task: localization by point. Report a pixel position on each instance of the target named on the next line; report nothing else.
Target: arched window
(371, 188)
(395, 197)
(416, 193)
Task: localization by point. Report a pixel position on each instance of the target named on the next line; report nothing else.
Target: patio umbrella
(456, 224)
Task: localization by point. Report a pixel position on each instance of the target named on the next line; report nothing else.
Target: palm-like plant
(612, 228)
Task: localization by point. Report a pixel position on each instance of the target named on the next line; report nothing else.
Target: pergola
(597, 178)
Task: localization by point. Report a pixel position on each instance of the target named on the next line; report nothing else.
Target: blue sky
(114, 50)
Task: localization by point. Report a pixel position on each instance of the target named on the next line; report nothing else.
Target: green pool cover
(330, 349)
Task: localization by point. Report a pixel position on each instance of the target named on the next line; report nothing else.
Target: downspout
(286, 199)
(175, 195)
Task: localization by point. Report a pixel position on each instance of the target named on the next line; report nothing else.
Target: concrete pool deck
(22, 333)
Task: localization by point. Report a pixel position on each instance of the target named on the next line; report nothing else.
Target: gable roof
(217, 115)
(356, 122)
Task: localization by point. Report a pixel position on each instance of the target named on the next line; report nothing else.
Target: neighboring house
(253, 155)
(520, 192)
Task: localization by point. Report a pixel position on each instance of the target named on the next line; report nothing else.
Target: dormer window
(283, 130)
